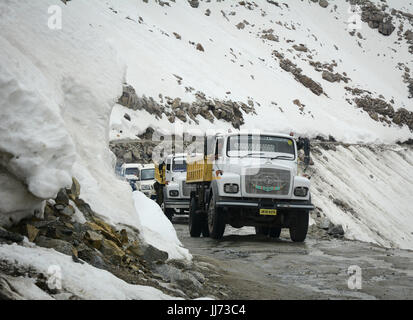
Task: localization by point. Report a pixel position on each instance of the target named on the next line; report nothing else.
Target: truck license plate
(268, 212)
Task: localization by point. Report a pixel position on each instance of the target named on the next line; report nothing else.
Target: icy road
(256, 267)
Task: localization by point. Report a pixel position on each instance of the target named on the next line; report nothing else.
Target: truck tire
(169, 212)
(195, 223)
(216, 219)
(299, 226)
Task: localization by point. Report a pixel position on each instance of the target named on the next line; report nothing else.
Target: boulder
(112, 251)
(94, 238)
(323, 3)
(10, 236)
(62, 197)
(31, 232)
(56, 244)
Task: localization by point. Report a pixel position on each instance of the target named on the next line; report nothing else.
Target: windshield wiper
(285, 157)
(252, 154)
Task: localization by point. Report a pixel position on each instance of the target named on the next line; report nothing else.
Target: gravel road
(261, 268)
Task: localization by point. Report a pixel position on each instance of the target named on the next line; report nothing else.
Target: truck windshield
(147, 174)
(179, 165)
(260, 146)
(131, 171)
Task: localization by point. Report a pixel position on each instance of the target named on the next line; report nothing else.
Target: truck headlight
(231, 188)
(173, 193)
(145, 187)
(300, 191)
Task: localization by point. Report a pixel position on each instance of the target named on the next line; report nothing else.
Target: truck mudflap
(242, 203)
(177, 203)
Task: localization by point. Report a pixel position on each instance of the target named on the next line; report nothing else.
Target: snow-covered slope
(57, 90)
(238, 64)
(368, 190)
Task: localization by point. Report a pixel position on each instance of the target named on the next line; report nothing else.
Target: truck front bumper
(177, 203)
(265, 203)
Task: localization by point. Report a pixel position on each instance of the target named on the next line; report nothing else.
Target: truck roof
(138, 165)
(281, 135)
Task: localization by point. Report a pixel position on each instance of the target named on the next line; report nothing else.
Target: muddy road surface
(261, 268)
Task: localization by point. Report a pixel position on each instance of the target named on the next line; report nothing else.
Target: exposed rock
(127, 117)
(74, 192)
(336, 230)
(292, 68)
(301, 48)
(323, 3)
(112, 251)
(194, 3)
(10, 236)
(62, 197)
(31, 232)
(57, 244)
(200, 47)
(95, 239)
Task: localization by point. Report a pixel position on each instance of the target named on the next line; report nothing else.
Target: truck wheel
(169, 212)
(195, 223)
(216, 219)
(299, 226)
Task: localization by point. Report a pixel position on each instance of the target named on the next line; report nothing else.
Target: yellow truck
(172, 192)
(248, 180)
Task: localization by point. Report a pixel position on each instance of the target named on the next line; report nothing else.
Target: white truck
(248, 180)
(146, 180)
(141, 177)
(130, 172)
(171, 189)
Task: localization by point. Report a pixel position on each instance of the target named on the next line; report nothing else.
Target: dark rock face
(375, 17)
(194, 3)
(227, 110)
(306, 81)
(376, 107)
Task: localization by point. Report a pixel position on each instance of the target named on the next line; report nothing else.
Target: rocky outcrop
(210, 109)
(94, 241)
(375, 17)
(380, 110)
(292, 68)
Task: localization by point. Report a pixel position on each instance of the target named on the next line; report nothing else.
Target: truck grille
(186, 189)
(267, 181)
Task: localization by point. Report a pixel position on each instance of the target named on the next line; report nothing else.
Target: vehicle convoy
(172, 192)
(248, 180)
(141, 177)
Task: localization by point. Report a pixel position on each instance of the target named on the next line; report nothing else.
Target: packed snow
(81, 280)
(377, 185)
(57, 90)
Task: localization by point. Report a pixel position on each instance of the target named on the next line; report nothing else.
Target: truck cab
(249, 180)
(130, 172)
(146, 180)
(172, 191)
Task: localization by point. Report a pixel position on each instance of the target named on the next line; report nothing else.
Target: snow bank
(57, 90)
(156, 228)
(376, 184)
(81, 280)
